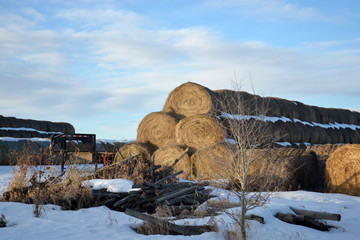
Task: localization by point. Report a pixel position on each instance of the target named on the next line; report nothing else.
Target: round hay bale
(34, 124)
(3, 155)
(189, 99)
(199, 131)
(294, 132)
(323, 151)
(354, 136)
(4, 121)
(158, 128)
(315, 135)
(274, 108)
(144, 149)
(346, 135)
(343, 170)
(166, 155)
(17, 123)
(69, 128)
(357, 118)
(213, 162)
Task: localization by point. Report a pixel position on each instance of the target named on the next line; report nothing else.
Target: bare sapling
(250, 168)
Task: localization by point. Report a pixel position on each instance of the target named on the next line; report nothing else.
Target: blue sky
(104, 65)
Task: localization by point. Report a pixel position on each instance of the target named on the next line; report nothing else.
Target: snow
(11, 139)
(111, 185)
(101, 223)
(27, 129)
(285, 119)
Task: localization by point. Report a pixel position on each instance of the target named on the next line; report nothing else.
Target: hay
(199, 131)
(343, 170)
(166, 155)
(189, 99)
(145, 150)
(157, 128)
(213, 162)
(4, 122)
(323, 151)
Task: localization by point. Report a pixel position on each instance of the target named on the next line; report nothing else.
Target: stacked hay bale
(28, 128)
(193, 116)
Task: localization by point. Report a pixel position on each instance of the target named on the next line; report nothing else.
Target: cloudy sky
(104, 65)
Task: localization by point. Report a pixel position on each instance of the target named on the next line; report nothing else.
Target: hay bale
(166, 155)
(199, 131)
(4, 121)
(189, 99)
(323, 151)
(158, 128)
(144, 149)
(343, 170)
(213, 162)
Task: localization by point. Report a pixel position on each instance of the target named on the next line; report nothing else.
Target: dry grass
(36, 182)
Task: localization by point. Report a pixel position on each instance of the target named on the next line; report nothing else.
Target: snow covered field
(102, 223)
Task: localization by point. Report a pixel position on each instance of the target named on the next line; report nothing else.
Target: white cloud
(109, 61)
(271, 8)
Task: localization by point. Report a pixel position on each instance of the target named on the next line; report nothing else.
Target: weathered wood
(180, 157)
(255, 217)
(221, 204)
(178, 193)
(302, 220)
(317, 215)
(182, 230)
(111, 166)
(169, 177)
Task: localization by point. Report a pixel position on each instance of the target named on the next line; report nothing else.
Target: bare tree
(251, 168)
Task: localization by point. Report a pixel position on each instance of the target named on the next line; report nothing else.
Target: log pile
(159, 187)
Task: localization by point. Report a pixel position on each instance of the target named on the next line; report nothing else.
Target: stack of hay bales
(192, 117)
(28, 128)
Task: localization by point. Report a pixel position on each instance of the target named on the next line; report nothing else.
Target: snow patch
(111, 185)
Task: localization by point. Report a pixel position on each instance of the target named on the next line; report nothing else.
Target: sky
(104, 65)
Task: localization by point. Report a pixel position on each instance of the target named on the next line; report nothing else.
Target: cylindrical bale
(354, 136)
(314, 135)
(297, 168)
(189, 99)
(357, 118)
(342, 170)
(199, 131)
(289, 109)
(17, 122)
(5, 121)
(144, 150)
(341, 138)
(34, 125)
(213, 162)
(274, 108)
(3, 155)
(294, 132)
(346, 135)
(318, 114)
(158, 128)
(69, 128)
(166, 155)
(323, 151)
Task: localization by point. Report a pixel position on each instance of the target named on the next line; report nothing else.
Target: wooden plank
(317, 215)
(179, 229)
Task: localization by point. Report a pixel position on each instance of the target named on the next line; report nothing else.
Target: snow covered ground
(102, 223)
